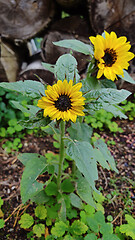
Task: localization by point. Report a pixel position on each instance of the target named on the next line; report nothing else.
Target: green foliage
(78, 228)
(129, 228)
(59, 229)
(41, 212)
(2, 222)
(26, 221)
(39, 229)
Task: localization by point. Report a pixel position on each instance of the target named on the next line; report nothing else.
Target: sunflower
(63, 101)
(112, 54)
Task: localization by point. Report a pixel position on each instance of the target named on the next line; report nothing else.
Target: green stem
(61, 154)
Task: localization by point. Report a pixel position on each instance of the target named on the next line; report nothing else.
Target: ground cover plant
(68, 205)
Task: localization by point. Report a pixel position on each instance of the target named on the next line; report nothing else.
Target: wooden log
(23, 19)
(72, 27)
(113, 15)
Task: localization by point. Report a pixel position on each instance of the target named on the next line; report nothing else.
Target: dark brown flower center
(110, 57)
(63, 103)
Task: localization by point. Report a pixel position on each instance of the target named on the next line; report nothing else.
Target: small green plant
(127, 229)
(103, 120)
(129, 108)
(2, 222)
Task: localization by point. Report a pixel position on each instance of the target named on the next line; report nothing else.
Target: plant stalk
(61, 154)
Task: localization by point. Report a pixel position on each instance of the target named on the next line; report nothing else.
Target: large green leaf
(82, 153)
(35, 122)
(84, 190)
(31, 109)
(34, 166)
(115, 110)
(75, 45)
(49, 67)
(66, 68)
(107, 95)
(127, 77)
(80, 131)
(103, 155)
(27, 87)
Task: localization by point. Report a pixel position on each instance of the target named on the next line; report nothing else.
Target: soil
(124, 155)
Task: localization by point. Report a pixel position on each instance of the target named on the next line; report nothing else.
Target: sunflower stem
(61, 154)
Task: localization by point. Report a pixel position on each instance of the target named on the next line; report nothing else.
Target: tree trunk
(23, 19)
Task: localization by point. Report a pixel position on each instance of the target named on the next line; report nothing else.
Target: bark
(23, 19)
(113, 15)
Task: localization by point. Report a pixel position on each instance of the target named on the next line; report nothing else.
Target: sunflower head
(63, 101)
(112, 54)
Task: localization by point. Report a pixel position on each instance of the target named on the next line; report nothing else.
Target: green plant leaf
(106, 83)
(39, 229)
(68, 237)
(82, 153)
(2, 222)
(35, 122)
(41, 212)
(80, 131)
(75, 201)
(127, 77)
(78, 227)
(59, 229)
(106, 96)
(111, 237)
(115, 110)
(90, 236)
(31, 110)
(29, 186)
(93, 224)
(67, 186)
(102, 147)
(1, 202)
(106, 228)
(66, 68)
(49, 67)
(26, 221)
(75, 45)
(25, 157)
(51, 189)
(129, 228)
(84, 190)
(98, 197)
(27, 87)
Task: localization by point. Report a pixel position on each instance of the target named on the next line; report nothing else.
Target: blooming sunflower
(63, 101)
(112, 54)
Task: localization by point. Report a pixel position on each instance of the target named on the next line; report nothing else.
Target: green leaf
(40, 198)
(84, 190)
(66, 68)
(26, 221)
(68, 237)
(59, 229)
(2, 222)
(25, 157)
(78, 227)
(106, 83)
(41, 212)
(75, 201)
(127, 77)
(29, 186)
(1, 202)
(67, 186)
(106, 228)
(75, 45)
(39, 229)
(99, 217)
(82, 153)
(98, 197)
(129, 228)
(35, 122)
(90, 236)
(52, 212)
(51, 189)
(110, 236)
(31, 110)
(93, 224)
(102, 147)
(80, 131)
(106, 96)
(27, 87)
(62, 212)
(115, 110)
(49, 67)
